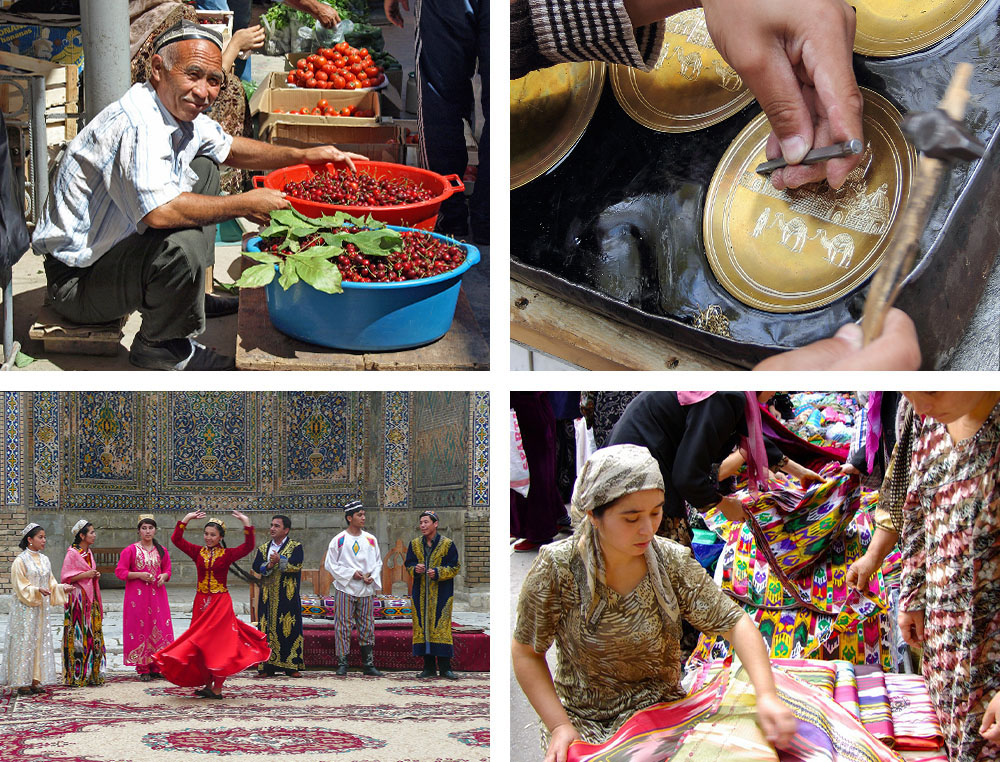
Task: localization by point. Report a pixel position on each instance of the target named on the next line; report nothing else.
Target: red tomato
(316, 112)
(321, 61)
(322, 76)
(291, 78)
(363, 81)
(277, 111)
(345, 112)
(371, 72)
(340, 47)
(355, 85)
(330, 111)
(301, 64)
(357, 68)
(380, 79)
(330, 69)
(338, 81)
(311, 82)
(363, 52)
(350, 76)
(354, 58)
(322, 103)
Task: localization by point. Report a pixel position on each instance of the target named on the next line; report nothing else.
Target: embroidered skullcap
(144, 516)
(429, 514)
(353, 507)
(79, 525)
(187, 30)
(612, 472)
(28, 528)
(608, 474)
(213, 520)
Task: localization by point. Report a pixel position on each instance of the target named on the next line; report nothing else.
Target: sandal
(25, 691)
(37, 689)
(204, 693)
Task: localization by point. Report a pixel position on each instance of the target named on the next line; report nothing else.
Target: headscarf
(608, 474)
(144, 17)
(78, 526)
(752, 444)
(28, 528)
(873, 414)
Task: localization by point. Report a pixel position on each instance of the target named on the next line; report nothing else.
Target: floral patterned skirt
(84, 660)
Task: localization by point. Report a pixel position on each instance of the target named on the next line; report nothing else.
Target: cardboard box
(61, 93)
(381, 143)
(225, 29)
(266, 101)
(61, 44)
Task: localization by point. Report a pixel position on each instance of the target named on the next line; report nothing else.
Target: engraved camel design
(690, 63)
(730, 79)
(794, 230)
(841, 245)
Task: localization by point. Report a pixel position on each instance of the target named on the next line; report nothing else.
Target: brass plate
(690, 87)
(889, 28)
(795, 250)
(549, 110)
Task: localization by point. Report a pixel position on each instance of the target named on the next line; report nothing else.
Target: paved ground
(29, 279)
(181, 600)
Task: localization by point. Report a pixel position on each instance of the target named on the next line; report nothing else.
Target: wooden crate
(61, 94)
(382, 143)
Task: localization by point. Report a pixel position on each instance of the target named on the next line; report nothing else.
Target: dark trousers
(452, 35)
(161, 273)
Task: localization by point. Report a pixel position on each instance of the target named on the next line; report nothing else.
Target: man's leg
(342, 630)
(366, 634)
(446, 60)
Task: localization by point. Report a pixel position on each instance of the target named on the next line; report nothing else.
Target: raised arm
(177, 538)
(248, 539)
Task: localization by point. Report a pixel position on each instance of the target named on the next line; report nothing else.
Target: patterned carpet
(318, 718)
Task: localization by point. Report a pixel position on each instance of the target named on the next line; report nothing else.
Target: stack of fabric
(825, 419)
(385, 607)
(841, 713)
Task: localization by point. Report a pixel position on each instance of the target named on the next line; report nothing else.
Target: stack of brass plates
(795, 250)
(897, 27)
(691, 87)
(549, 110)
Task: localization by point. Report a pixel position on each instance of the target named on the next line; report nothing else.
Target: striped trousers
(357, 611)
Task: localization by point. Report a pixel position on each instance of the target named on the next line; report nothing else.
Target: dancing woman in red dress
(217, 644)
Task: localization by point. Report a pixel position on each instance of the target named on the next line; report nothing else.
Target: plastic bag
(519, 476)
(586, 445)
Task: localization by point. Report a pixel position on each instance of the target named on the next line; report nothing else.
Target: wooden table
(578, 336)
(261, 346)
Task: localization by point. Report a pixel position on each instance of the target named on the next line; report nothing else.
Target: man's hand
(562, 736)
(860, 573)
(327, 15)
(392, 11)
(795, 56)
(272, 560)
(419, 569)
(732, 509)
(324, 154)
(911, 627)
(358, 575)
(432, 573)
(896, 349)
(260, 202)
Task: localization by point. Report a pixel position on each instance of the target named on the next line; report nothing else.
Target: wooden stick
(899, 258)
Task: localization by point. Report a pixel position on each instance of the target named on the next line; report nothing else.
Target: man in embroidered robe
(432, 559)
(279, 608)
(355, 562)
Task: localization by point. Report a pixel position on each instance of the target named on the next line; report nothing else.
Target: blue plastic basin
(370, 317)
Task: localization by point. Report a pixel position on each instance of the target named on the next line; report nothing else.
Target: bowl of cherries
(349, 283)
(391, 193)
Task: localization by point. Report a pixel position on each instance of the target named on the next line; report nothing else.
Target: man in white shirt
(355, 562)
(130, 221)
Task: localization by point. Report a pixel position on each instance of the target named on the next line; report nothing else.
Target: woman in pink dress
(145, 568)
(84, 659)
(217, 644)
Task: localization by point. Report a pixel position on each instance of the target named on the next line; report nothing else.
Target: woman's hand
(46, 592)
(807, 477)
(990, 727)
(776, 720)
(93, 574)
(193, 515)
(66, 589)
(243, 517)
(732, 509)
(860, 573)
(249, 38)
(848, 470)
(161, 580)
(911, 627)
(562, 737)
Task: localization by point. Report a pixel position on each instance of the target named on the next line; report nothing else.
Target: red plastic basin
(419, 215)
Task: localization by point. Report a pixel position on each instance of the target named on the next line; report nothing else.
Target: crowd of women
(216, 644)
(615, 595)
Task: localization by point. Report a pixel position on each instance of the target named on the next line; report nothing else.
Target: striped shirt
(132, 158)
(547, 32)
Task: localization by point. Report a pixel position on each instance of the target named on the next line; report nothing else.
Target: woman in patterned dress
(144, 566)
(950, 593)
(217, 644)
(613, 597)
(84, 659)
(28, 661)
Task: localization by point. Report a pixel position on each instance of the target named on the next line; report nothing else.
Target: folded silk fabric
(819, 674)
(874, 700)
(845, 692)
(914, 721)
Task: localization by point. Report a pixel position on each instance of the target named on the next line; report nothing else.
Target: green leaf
(256, 276)
(273, 230)
(289, 274)
(321, 274)
(262, 256)
(290, 218)
(319, 252)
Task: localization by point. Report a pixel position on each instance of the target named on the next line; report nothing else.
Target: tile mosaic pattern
(12, 452)
(45, 458)
(105, 442)
(441, 449)
(396, 467)
(481, 450)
